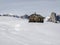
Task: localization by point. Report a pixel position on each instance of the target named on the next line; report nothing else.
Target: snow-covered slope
(14, 31)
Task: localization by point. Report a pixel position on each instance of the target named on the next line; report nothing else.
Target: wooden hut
(36, 18)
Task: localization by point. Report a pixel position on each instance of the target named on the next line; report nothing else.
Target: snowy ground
(14, 31)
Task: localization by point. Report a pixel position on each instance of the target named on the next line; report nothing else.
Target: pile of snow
(46, 19)
(15, 31)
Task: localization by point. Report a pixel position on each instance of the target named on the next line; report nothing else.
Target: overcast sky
(21, 7)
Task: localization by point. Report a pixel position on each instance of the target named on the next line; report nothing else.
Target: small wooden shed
(36, 18)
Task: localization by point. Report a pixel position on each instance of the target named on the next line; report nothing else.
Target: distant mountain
(25, 16)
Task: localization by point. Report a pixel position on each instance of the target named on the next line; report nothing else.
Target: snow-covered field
(14, 31)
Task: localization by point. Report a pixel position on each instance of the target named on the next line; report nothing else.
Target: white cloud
(29, 6)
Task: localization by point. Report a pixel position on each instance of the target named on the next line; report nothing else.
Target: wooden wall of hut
(36, 18)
